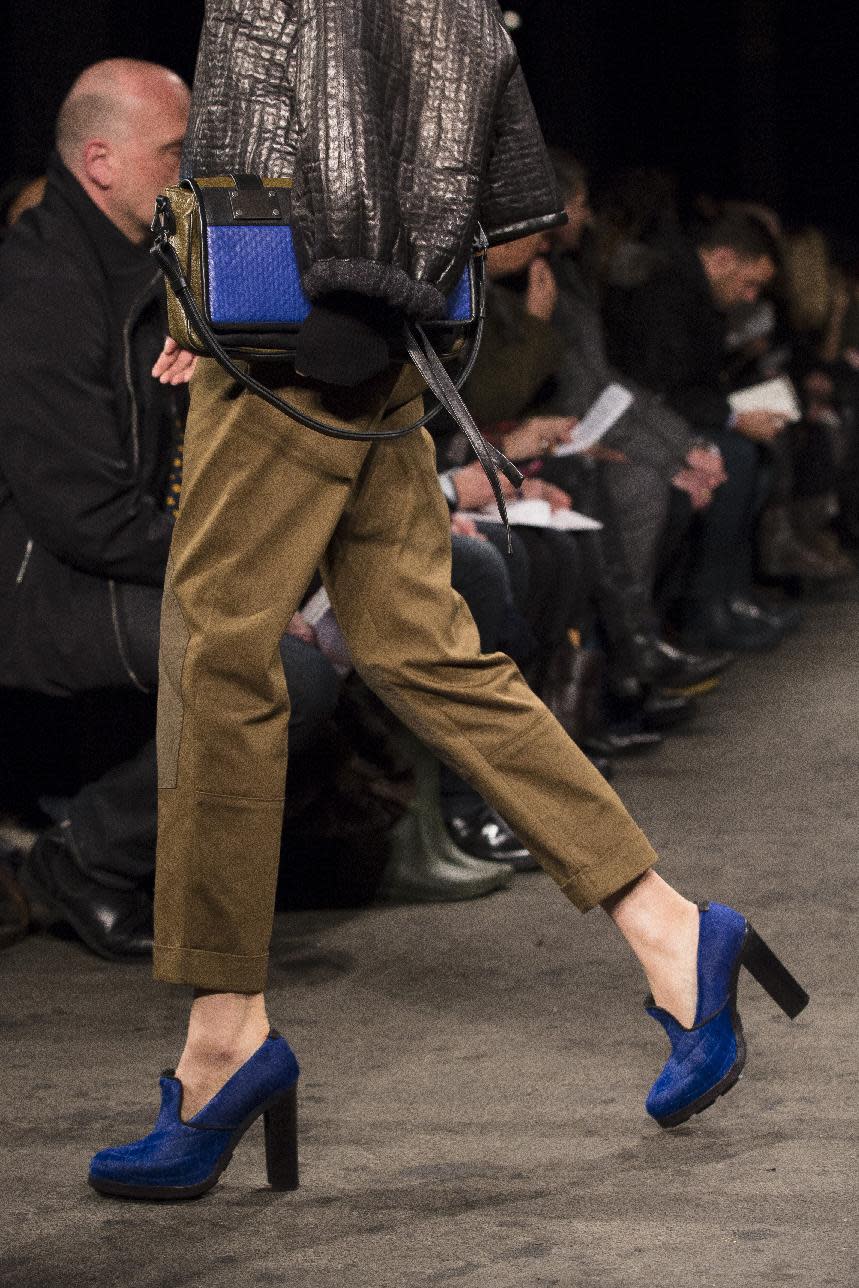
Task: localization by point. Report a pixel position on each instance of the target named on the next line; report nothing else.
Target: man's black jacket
(667, 334)
(650, 433)
(82, 462)
(401, 122)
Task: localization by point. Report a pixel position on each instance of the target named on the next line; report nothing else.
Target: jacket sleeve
(659, 441)
(520, 194)
(396, 102)
(654, 344)
(64, 453)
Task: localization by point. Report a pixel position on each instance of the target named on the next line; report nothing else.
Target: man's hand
(703, 473)
(538, 490)
(760, 426)
(175, 366)
(474, 491)
(460, 526)
(542, 294)
(538, 435)
(302, 630)
(695, 486)
(708, 463)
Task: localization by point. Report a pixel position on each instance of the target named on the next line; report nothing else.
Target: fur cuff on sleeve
(418, 300)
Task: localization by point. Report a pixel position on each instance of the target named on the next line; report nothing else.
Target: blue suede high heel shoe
(182, 1160)
(707, 1059)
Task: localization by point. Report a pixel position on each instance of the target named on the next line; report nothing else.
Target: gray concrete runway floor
(474, 1076)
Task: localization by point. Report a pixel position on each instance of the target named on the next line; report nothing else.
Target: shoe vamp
(181, 1156)
(698, 1061)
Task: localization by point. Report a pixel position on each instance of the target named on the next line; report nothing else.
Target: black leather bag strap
(420, 352)
(427, 361)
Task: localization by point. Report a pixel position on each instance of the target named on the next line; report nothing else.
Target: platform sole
(281, 1145)
(721, 1088)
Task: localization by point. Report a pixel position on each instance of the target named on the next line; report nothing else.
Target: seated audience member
(797, 333)
(651, 448)
(666, 326)
(823, 443)
(518, 358)
(89, 431)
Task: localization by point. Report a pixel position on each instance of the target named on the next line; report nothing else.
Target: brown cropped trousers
(265, 502)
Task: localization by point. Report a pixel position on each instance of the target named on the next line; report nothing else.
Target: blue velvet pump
(707, 1059)
(182, 1160)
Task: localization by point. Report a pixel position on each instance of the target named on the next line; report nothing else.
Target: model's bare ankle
(661, 927)
(224, 1030)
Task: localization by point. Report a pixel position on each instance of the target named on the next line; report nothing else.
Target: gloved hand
(345, 339)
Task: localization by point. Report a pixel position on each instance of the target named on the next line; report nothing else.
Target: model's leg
(414, 641)
(261, 496)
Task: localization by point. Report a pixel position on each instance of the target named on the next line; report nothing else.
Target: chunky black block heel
(281, 1142)
(759, 959)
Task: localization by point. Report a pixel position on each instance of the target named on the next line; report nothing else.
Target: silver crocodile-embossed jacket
(401, 122)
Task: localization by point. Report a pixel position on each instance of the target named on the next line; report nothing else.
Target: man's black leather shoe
(784, 617)
(661, 663)
(662, 711)
(115, 924)
(610, 742)
(485, 835)
(715, 625)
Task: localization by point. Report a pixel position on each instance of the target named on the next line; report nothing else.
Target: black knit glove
(345, 340)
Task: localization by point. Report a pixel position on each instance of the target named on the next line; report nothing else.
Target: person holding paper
(668, 333)
(659, 450)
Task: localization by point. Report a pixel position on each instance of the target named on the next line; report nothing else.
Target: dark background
(751, 98)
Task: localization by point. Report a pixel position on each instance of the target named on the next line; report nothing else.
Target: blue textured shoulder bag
(234, 292)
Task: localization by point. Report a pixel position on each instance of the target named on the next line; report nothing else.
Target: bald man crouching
(92, 406)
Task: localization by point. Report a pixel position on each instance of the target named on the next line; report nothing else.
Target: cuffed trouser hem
(588, 889)
(222, 972)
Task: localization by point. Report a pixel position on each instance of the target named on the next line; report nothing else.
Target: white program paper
(534, 513)
(597, 420)
(316, 607)
(777, 396)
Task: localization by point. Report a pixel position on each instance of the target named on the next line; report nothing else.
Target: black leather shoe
(484, 835)
(115, 924)
(784, 617)
(661, 663)
(714, 625)
(663, 711)
(609, 742)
